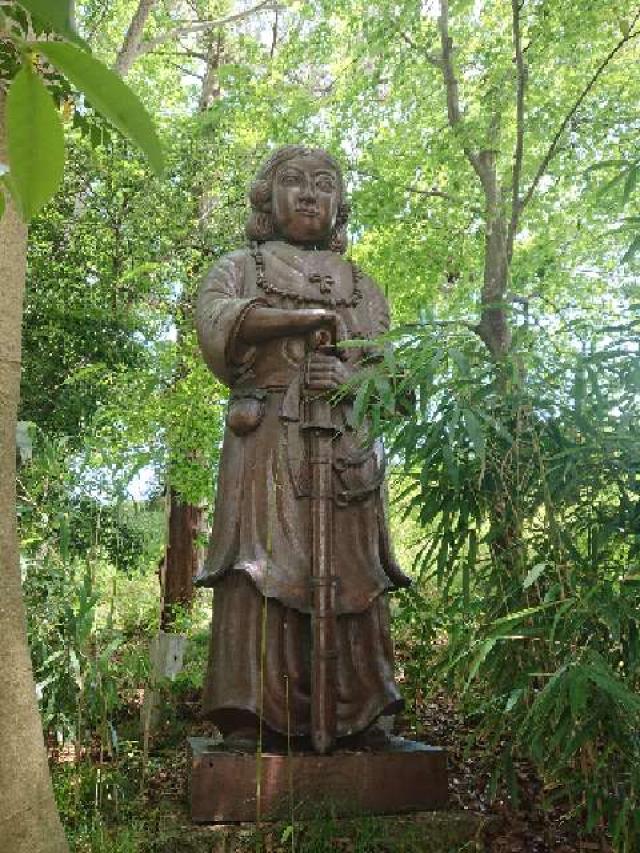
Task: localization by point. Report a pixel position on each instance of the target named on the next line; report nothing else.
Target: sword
(320, 433)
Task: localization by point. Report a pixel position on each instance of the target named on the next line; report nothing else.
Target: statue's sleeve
(221, 307)
(378, 318)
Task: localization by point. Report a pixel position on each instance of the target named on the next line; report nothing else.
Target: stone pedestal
(404, 776)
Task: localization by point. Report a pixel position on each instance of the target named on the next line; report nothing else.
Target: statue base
(402, 776)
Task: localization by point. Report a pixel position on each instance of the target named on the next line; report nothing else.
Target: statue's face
(305, 200)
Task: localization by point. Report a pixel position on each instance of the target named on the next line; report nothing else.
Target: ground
(137, 804)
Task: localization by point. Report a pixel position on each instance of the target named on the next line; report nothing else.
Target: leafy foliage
(538, 600)
(109, 95)
(35, 141)
(517, 479)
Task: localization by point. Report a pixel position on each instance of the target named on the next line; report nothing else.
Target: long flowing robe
(259, 555)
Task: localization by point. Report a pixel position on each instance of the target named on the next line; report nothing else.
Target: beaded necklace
(302, 298)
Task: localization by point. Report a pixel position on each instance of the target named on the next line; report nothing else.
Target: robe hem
(210, 579)
(387, 708)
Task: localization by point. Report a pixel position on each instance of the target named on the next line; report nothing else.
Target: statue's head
(298, 196)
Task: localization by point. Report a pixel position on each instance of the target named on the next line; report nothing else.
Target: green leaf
(513, 699)
(384, 391)
(474, 432)
(287, 833)
(616, 690)
(35, 142)
(109, 95)
(468, 567)
(460, 360)
(479, 658)
(630, 183)
(605, 164)
(504, 622)
(577, 692)
(534, 574)
(631, 251)
(609, 185)
(56, 14)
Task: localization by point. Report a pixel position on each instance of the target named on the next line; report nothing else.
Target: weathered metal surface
(403, 777)
(300, 555)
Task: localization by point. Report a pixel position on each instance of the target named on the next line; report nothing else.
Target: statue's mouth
(311, 212)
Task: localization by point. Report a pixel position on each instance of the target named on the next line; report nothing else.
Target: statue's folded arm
(220, 310)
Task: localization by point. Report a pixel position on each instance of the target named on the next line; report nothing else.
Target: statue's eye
(325, 184)
(289, 179)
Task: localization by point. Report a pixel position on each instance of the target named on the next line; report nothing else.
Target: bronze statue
(300, 558)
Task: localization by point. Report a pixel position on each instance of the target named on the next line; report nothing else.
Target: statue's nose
(308, 191)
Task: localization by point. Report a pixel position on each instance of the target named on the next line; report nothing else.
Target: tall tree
(28, 817)
(186, 521)
(32, 146)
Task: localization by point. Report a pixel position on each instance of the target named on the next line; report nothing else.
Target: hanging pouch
(246, 410)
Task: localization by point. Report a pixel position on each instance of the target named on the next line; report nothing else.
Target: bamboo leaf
(630, 183)
(534, 574)
(609, 185)
(360, 402)
(109, 95)
(505, 621)
(474, 432)
(459, 360)
(35, 142)
(384, 391)
(514, 696)
(469, 567)
(603, 678)
(481, 655)
(577, 692)
(631, 251)
(605, 164)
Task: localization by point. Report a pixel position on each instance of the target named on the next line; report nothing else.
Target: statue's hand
(263, 324)
(326, 372)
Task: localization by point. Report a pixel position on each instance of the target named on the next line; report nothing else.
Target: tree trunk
(29, 821)
(495, 330)
(185, 522)
(130, 49)
(181, 560)
(494, 326)
(210, 91)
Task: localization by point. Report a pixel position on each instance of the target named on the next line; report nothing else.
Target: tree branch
(521, 78)
(130, 49)
(553, 147)
(188, 72)
(192, 54)
(274, 34)
(442, 324)
(203, 26)
(430, 57)
(210, 84)
(434, 192)
(493, 327)
(451, 85)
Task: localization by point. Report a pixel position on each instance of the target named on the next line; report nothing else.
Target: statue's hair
(260, 224)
